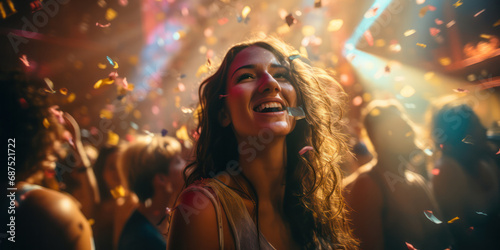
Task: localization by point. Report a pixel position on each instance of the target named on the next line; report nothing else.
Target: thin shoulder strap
(216, 205)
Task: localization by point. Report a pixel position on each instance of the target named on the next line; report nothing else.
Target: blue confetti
(110, 61)
(164, 132)
(481, 213)
(431, 217)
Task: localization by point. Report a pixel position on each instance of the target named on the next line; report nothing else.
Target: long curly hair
(313, 201)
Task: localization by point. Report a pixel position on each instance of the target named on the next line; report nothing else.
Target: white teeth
(268, 105)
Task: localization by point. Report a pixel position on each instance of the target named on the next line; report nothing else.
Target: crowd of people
(267, 170)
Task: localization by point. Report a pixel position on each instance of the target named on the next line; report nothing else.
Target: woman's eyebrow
(248, 66)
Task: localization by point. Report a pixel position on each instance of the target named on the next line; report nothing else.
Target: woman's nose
(268, 83)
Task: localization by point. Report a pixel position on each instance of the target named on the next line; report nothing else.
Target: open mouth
(269, 107)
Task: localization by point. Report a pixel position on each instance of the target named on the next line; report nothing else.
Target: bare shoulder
(364, 191)
(63, 223)
(194, 221)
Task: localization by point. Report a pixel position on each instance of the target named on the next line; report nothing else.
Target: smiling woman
(273, 198)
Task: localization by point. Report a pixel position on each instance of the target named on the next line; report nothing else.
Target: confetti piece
(110, 60)
(358, 100)
(290, 20)
(498, 153)
(410, 246)
(222, 21)
(71, 97)
(64, 91)
(91, 222)
(296, 112)
(123, 2)
(497, 23)
(317, 3)
(182, 133)
(431, 8)
(113, 138)
(46, 123)
(453, 220)
(371, 12)
(102, 25)
(434, 31)
(422, 45)
(423, 11)
(25, 61)
(451, 23)
(481, 213)
(430, 215)
(305, 149)
(155, 110)
(438, 22)
(118, 192)
(164, 132)
(375, 112)
(485, 36)
(458, 3)
(102, 66)
(115, 66)
(368, 36)
(409, 32)
(308, 30)
(445, 61)
(435, 171)
(460, 90)
(420, 2)
(479, 13)
(106, 114)
(111, 14)
(186, 110)
(468, 140)
(244, 13)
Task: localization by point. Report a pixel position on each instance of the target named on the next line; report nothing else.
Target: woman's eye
(281, 76)
(245, 76)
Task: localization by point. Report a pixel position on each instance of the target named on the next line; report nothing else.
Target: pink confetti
(155, 110)
(222, 21)
(435, 171)
(434, 31)
(410, 246)
(103, 25)
(25, 61)
(122, 82)
(438, 22)
(431, 8)
(181, 87)
(113, 75)
(498, 153)
(305, 149)
(58, 114)
(479, 13)
(123, 2)
(368, 37)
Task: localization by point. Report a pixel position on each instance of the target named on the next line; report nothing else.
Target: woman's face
(258, 93)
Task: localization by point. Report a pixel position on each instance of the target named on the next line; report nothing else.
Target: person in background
(154, 168)
(260, 179)
(35, 132)
(467, 177)
(388, 200)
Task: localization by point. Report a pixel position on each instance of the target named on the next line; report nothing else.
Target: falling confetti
(64, 91)
(110, 14)
(409, 32)
(335, 25)
(445, 61)
(102, 66)
(453, 220)
(424, 10)
(497, 23)
(485, 36)
(305, 149)
(435, 171)
(46, 123)
(123, 2)
(102, 25)
(113, 138)
(358, 100)
(468, 140)
(50, 85)
(182, 133)
(290, 20)
(410, 246)
(481, 213)
(479, 13)
(110, 60)
(422, 45)
(451, 23)
(498, 153)
(458, 3)
(222, 21)
(71, 97)
(430, 215)
(375, 112)
(25, 61)
(164, 132)
(438, 22)
(244, 13)
(296, 112)
(434, 31)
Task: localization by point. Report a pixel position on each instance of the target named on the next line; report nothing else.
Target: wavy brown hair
(313, 202)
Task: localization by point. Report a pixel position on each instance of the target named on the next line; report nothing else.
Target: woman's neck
(265, 170)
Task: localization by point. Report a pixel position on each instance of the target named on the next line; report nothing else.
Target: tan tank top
(240, 222)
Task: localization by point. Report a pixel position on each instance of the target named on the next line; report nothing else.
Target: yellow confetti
(445, 61)
(133, 60)
(98, 84)
(46, 123)
(116, 65)
(497, 23)
(182, 133)
(103, 81)
(178, 101)
(422, 45)
(137, 114)
(245, 12)
(308, 30)
(335, 24)
(367, 97)
(118, 192)
(102, 66)
(375, 112)
(485, 36)
(64, 91)
(201, 70)
(106, 114)
(410, 32)
(407, 91)
(380, 43)
(110, 14)
(409, 134)
(91, 222)
(453, 220)
(113, 138)
(458, 3)
(130, 87)
(71, 97)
